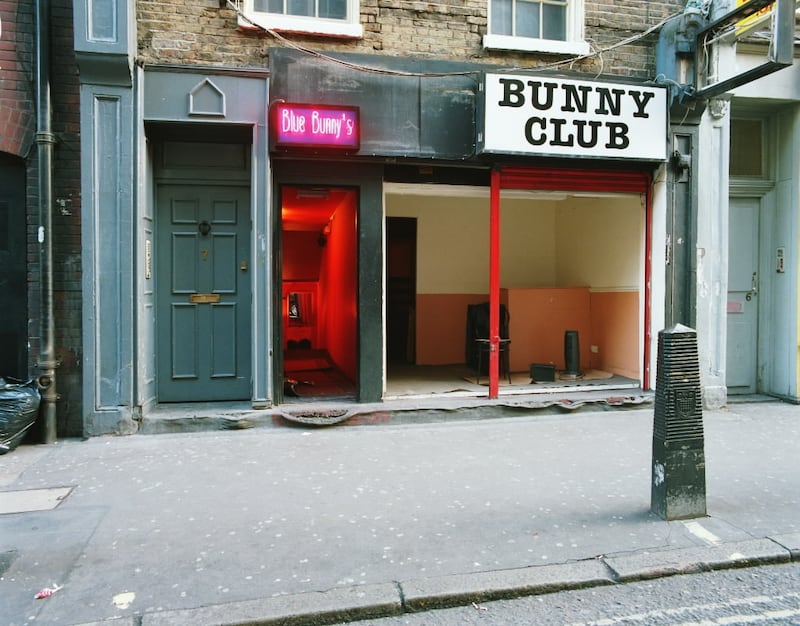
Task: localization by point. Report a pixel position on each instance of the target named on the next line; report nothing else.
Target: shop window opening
(572, 268)
(319, 289)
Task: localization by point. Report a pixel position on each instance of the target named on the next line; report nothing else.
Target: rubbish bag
(19, 406)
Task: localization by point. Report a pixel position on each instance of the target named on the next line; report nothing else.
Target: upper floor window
(536, 26)
(321, 17)
(747, 153)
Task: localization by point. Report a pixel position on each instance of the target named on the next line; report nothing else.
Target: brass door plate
(204, 298)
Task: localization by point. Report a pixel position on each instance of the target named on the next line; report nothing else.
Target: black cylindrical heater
(572, 354)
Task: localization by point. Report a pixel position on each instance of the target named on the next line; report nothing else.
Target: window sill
(288, 23)
(529, 44)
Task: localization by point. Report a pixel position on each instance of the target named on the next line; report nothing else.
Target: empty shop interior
(569, 261)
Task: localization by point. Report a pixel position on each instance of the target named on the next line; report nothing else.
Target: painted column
(104, 44)
(712, 251)
(494, 285)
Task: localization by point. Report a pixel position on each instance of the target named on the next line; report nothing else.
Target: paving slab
(646, 565)
(790, 541)
(381, 513)
(447, 591)
(336, 605)
(26, 500)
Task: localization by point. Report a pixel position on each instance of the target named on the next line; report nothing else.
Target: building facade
(763, 199)
(273, 188)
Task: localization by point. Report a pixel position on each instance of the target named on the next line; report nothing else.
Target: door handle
(753, 287)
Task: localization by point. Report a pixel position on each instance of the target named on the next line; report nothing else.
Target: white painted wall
(777, 96)
(596, 242)
(783, 84)
(453, 242)
(527, 243)
(600, 242)
(780, 347)
(712, 250)
(658, 286)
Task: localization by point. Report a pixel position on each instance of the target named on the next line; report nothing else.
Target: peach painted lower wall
(615, 332)
(441, 327)
(539, 319)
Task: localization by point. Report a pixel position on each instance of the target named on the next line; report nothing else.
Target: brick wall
(17, 133)
(65, 95)
(17, 128)
(201, 32)
(17, 113)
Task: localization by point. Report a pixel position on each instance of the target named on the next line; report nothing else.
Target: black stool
(483, 347)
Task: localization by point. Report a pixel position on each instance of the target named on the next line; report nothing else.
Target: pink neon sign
(315, 126)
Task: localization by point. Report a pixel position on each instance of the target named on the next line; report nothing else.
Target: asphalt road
(761, 595)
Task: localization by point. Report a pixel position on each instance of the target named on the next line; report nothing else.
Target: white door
(743, 296)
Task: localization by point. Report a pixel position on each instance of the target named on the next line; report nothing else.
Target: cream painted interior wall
(599, 242)
(528, 248)
(452, 241)
(595, 242)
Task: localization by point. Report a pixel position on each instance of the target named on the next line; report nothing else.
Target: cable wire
(596, 52)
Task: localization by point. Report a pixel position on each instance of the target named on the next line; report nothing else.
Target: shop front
(320, 231)
(542, 196)
(382, 226)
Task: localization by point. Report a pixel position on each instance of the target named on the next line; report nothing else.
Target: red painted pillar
(494, 284)
(648, 278)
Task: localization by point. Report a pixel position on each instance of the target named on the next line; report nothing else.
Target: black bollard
(679, 466)
(572, 354)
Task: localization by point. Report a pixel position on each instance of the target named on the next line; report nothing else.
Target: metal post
(494, 285)
(45, 139)
(679, 466)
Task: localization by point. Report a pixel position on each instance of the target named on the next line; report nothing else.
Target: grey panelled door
(203, 292)
(743, 298)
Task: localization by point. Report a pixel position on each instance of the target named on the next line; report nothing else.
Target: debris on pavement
(19, 406)
(124, 600)
(47, 592)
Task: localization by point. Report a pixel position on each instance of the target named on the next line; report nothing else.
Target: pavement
(258, 519)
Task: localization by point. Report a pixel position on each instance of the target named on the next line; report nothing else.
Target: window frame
(350, 27)
(765, 179)
(573, 44)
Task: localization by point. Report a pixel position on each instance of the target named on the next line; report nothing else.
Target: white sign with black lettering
(573, 118)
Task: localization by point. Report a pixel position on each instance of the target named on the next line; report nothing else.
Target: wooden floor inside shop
(315, 376)
(414, 380)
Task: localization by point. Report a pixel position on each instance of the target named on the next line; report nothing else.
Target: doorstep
(216, 416)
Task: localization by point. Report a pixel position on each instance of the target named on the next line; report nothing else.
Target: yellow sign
(751, 21)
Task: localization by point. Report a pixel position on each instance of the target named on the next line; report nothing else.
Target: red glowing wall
(338, 314)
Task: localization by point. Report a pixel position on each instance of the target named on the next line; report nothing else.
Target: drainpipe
(44, 143)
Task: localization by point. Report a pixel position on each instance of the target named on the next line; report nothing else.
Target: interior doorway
(401, 288)
(13, 268)
(319, 288)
